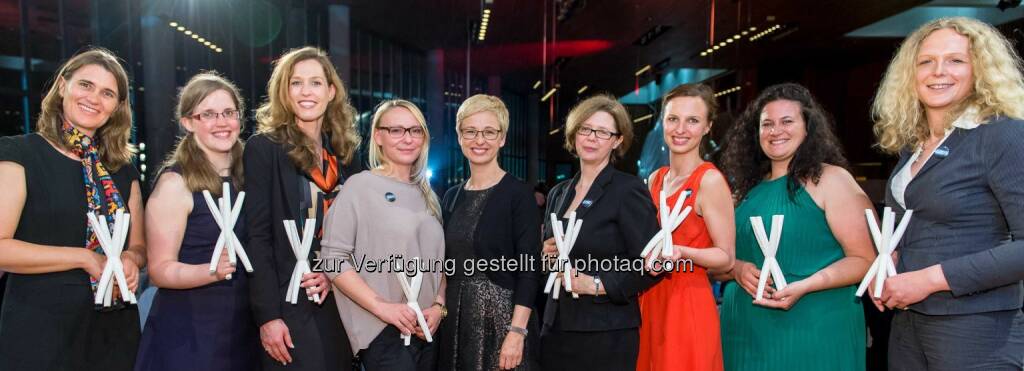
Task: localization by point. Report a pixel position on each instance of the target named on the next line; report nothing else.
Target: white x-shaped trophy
(885, 242)
(769, 246)
(301, 250)
(112, 243)
(411, 288)
(564, 241)
(670, 220)
(226, 215)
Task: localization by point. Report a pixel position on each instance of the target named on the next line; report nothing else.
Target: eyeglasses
(489, 134)
(210, 116)
(600, 133)
(398, 131)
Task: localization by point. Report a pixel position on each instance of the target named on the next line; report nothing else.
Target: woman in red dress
(679, 329)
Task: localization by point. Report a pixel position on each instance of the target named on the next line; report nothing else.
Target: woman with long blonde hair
(78, 161)
(295, 164)
(389, 213)
(209, 310)
(950, 107)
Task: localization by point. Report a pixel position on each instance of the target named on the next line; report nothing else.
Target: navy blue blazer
(968, 211)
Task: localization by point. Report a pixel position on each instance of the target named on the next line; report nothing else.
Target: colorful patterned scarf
(104, 203)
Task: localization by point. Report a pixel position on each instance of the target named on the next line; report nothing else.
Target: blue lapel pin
(390, 197)
(941, 152)
(586, 203)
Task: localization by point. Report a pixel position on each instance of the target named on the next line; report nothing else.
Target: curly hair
(276, 119)
(745, 163)
(900, 121)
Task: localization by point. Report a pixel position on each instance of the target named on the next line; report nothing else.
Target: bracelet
(518, 330)
(444, 309)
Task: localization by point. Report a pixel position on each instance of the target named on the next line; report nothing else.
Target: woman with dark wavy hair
(783, 159)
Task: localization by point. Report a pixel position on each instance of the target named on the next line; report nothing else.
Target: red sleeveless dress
(679, 328)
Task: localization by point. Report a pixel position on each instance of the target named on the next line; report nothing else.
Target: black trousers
(991, 341)
(612, 350)
(387, 352)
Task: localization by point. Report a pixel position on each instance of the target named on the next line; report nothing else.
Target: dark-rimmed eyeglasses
(398, 131)
(489, 134)
(600, 133)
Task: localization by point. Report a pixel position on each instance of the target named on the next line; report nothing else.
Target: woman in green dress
(783, 159)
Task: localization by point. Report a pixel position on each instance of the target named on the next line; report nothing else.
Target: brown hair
(112, 137)
(276, 119)
(195, 167)
(588, 107)
(706, 94)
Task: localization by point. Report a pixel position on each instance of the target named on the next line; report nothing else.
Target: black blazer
(274, 192)
(508, 228)
(618, 220)
(968, 211)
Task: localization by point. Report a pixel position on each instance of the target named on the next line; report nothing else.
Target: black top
(48, 320)
(506, 229)
(968, 211)
(55, 205)
(618, 220)
(458, 237)
(276, 191)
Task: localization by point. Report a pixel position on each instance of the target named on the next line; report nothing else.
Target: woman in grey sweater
(387, 220)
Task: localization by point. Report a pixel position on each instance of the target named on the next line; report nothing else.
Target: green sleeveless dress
(824, 330)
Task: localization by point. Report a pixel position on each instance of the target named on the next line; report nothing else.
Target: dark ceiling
(596, 43)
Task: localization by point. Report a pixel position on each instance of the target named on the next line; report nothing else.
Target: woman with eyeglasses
(200, 320)
(599, 330)
(489, 217)
(79, 161)
(295, 165)
(389, 214)
(783, 159)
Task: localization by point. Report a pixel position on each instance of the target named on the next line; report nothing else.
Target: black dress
(479, 310)
(202, 328)
(48, 321)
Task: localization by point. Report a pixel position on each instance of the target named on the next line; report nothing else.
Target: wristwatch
(444, 309)
(518, 330)
(597, 285)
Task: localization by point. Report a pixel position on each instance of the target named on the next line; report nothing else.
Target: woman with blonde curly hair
(950, 106)
(295, 165)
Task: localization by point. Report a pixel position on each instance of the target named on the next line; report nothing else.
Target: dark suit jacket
(618, 220)
(277, 191)
(507, 228)
(968, 211)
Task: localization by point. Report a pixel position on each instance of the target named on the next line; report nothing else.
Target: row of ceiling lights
(766, 32)
(728, 91)
(484, 21)
(195, 36)
(738, 36)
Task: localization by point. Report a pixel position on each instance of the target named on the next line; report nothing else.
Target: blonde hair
(419, 169)
(482, 103)
(112, 137)
(588, 107)
(277, 120)
(195, 167)
(998, 89)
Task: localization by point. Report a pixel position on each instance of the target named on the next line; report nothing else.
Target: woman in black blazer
(950, 106)
(294, 166)
(599, 330)
(490, 217)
